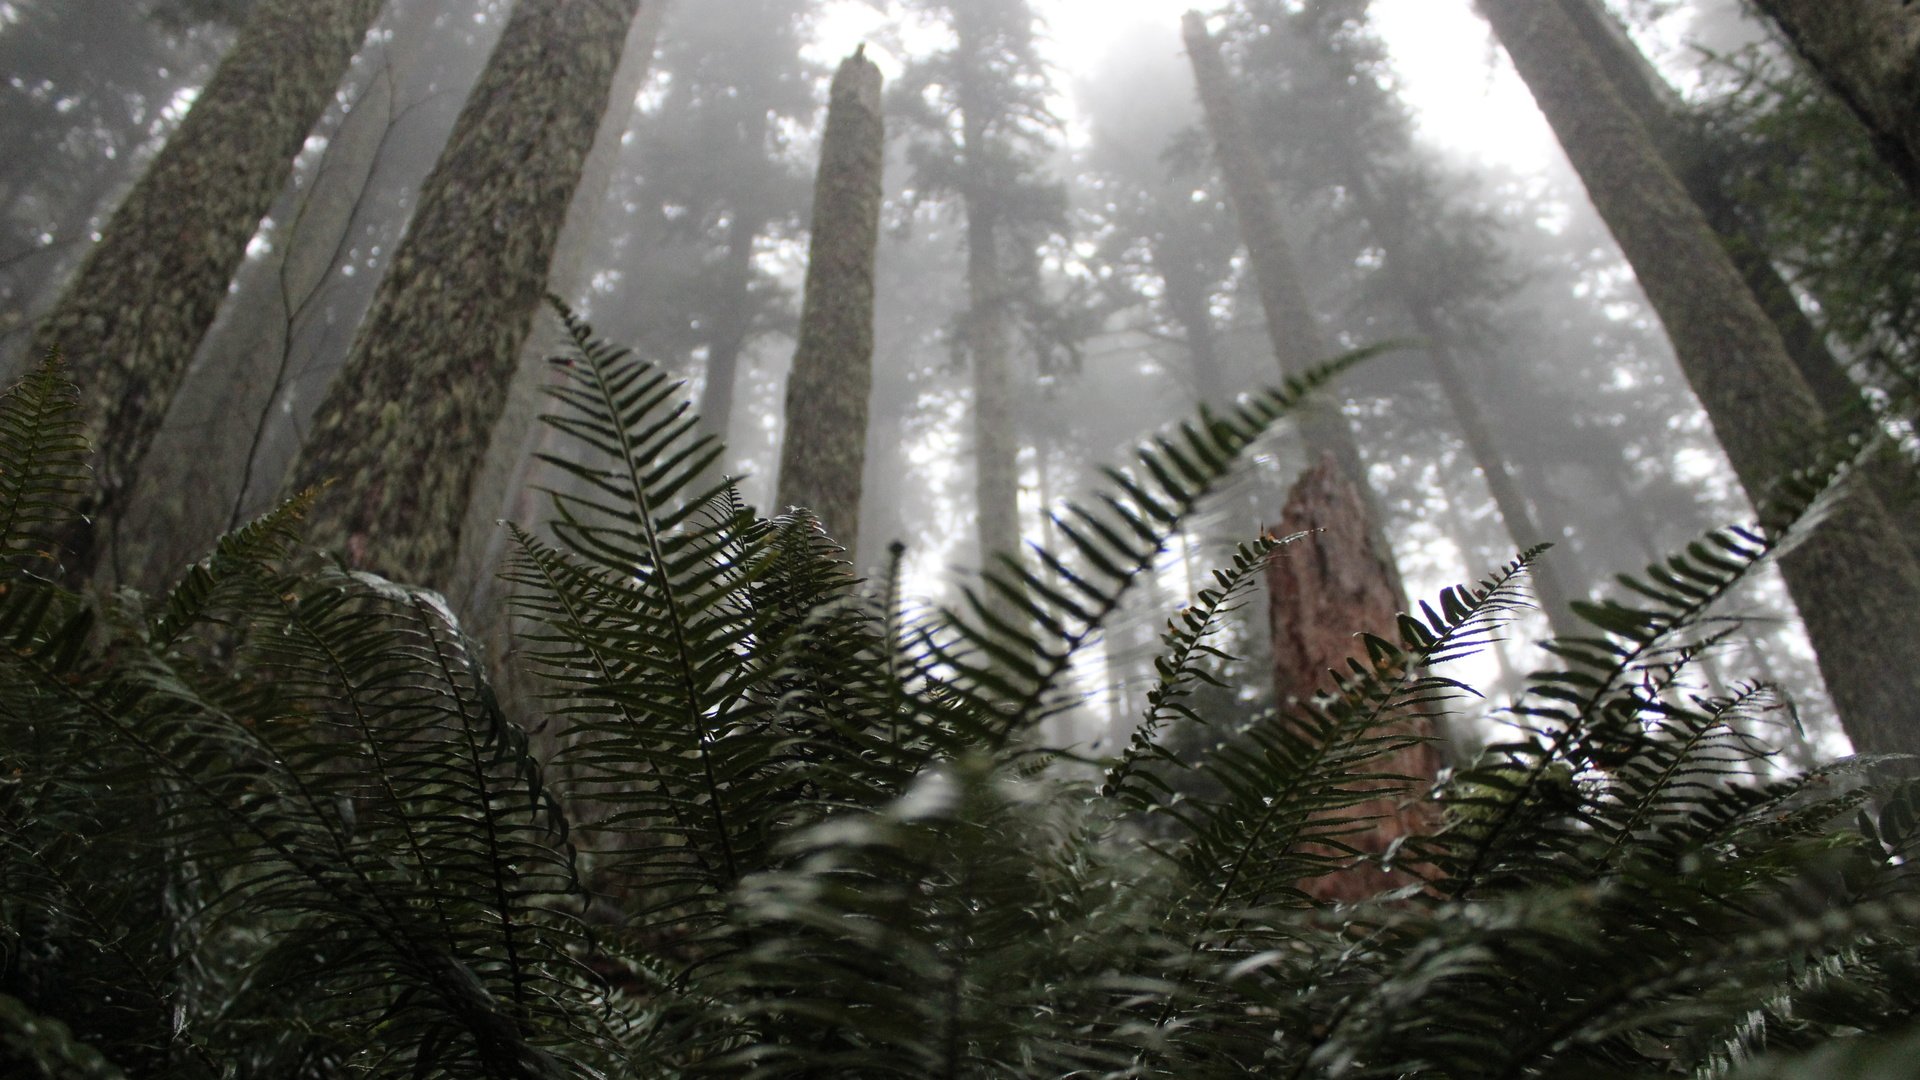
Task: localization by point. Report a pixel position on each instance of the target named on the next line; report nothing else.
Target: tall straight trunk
(826, 440)
(1680, 143)
(1855, 582)
(1343, 579)
(1395, 235)
(732, 325)
(1292, 329)
(1295, 334)
(501, 489)
(132, 316)
(985, 334)
(1868, 51)
(404, 428)
(1191, 306)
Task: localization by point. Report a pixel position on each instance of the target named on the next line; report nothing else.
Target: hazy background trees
(1062, 271)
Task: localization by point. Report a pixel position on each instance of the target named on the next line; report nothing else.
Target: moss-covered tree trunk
(1855, 581)
(1868, 51)
(826, 432)
(403, 429)
(131, 318)
(1682, 145)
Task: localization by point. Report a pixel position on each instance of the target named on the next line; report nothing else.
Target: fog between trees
(1062, 269)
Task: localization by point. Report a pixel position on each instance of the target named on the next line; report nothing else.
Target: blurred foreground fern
(275, 824)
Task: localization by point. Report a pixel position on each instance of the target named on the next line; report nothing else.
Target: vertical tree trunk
(826, 436)
(732, 325)
(1344, 579)
(1855, 582)
(501, 488)
(996, 448)
(1291, 327)
(1680, 143)
(1191, 307)
(404, 428)
(1868, 51)
(131, 318)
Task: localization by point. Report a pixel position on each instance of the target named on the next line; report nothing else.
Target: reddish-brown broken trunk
(1322, 590)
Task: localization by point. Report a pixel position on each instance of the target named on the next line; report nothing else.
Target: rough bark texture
(1868, 51)
(1297, 342)
(1323, 589)
(826, 440)
(404, 428)
(501, 488)
(131, 318)
(1681, 144)
(1855, 582)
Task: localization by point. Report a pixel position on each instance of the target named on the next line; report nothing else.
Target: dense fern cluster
(275, 824)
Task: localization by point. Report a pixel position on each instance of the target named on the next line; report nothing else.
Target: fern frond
(43, 463)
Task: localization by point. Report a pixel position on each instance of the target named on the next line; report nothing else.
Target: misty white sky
(1465, 96)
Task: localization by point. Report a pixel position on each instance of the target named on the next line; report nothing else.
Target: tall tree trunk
(131, 318)
(1343, 579)
(1191, 306)
(826, 437)
(732, 326)
(996, 447)
(1868, 51)
(1291, 327)
(1855, 582)
(404, 427)
(1680, 143)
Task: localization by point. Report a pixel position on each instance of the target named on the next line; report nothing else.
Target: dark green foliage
(274, 823)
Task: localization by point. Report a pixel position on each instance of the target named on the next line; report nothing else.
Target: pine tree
(1854, 581)
(826, 432)
(131, 318)
(402, 430)
(1868, 52)
(982, 113)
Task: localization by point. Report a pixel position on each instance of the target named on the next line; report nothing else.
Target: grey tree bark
(1662, 112)
(502, 489)
(133, 314)
(826, 431)
(404, 428)
(1854, 581)
(1291, 325)
(1868, 51)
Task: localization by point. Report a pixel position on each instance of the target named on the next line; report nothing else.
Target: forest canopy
(601, 538)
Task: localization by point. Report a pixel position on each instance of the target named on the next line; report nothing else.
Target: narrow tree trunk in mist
(826, 430)
(985, 335)
(1291, 327)
(1189, 303)
(1297, 342)
(1323, 588)
(405, 426)
(1681, 144)
(1395, 235)
(1343, 579)
(131, 318)
(732, 325)
(1868, 52)
(1854, 581)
